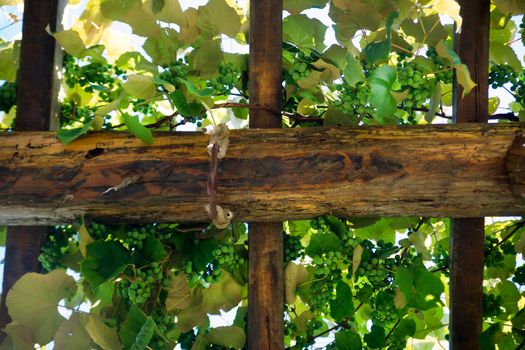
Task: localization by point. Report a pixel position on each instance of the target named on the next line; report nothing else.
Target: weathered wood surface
(37, 91)
(265, 239)
(267, 175)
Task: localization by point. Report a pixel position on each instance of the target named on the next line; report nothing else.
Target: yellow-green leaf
(217, 17)
(140, 86)
(356, 258)
(448, 8)
(33, 302)
(70, 41)
(179, 294)
(464, 79)
(136, 128)
(105, 336)
(224, 295)
(229, 337)
(19, 337)
(84, 239)
(493, 104)
(294, 275)
(72, 333)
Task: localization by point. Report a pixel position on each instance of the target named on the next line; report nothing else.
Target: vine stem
(343, 323)
(393, 329)
(519, 225)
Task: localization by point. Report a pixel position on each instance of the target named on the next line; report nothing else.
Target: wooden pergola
(459, 171)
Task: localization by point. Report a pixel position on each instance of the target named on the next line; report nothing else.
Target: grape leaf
(229, 337)
(183, 107)
(422, 289)
(295, 7)
(342, 306)
(229, 23)
(66, 136)
(153, 250)
(294, 275)
(353, 72)
(105, 336)
(72, 333)
(223, 295)
(136, 128)
(379, 51)
(305, 32)
(140, 86)
(323, 242)
(33, 301)
(144, 335)
(104, 261)
(179, 293)
(426, 29)
(381, 81)
(131, 328)
(376, 338)
(348, 340)
(202, 253)
(405, 328)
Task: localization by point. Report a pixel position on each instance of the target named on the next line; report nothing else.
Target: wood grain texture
(265, 239)
(467, 234)
(267, 175)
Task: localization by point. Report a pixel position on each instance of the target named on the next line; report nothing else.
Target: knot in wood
(515, 166)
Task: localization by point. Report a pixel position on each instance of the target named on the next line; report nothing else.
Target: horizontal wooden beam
(267, 175)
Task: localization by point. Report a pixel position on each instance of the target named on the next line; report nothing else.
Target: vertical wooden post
(37, 91)
(266, 284)
(467, 235)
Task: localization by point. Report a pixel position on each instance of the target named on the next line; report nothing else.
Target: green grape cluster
(376, 263)
(138, 291)
(493, 253)
(396, 343)
(143, 107)
(166, 231)
(165, 324)
(293, 248)
(99, 231)
(354, 100)
(322, 291)
(173, 71)
(53, 251)
(225, 256)
(500, 74)
(210, 274)
(492, 305)
(229, 77)
(385, 313)
(135, 235)
(92, 76)
(412, 77)
(444, 72)
(7, 96)
(519, 275)
(299, 70)
(349, 242)
(326, 264)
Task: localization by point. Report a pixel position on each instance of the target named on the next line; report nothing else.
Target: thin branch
(393, 328)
